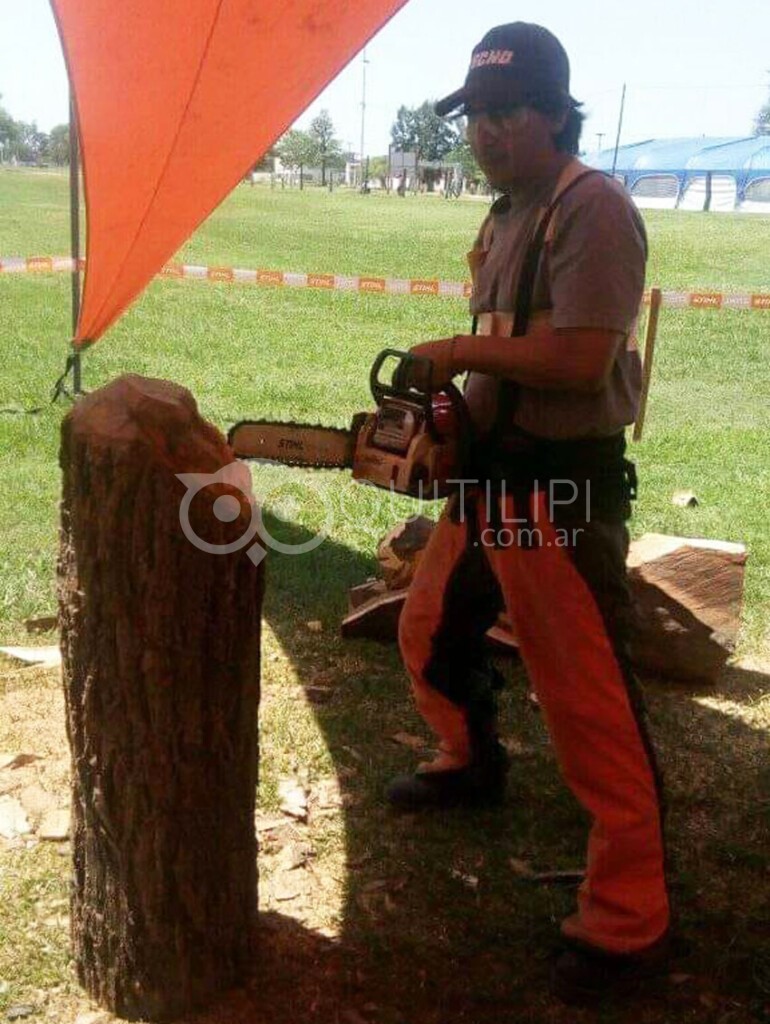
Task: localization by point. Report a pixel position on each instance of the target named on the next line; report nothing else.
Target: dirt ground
(366, 930)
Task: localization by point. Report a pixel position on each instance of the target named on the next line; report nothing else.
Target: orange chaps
(567, 597)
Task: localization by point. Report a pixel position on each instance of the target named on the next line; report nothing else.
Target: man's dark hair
(568, 139)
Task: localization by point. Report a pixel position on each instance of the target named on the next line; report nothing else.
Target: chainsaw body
(414, 442)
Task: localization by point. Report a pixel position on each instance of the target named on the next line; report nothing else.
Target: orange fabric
(417, 625)
(176, 101)
(623, 904)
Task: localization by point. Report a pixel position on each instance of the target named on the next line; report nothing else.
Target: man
(558, 272)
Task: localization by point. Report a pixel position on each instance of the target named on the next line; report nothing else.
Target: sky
(691, 67)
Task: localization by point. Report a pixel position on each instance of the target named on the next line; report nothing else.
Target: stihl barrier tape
(362, 283)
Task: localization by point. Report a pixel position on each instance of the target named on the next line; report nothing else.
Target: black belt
(604, 481)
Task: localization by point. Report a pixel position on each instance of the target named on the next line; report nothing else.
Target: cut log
(365, 592)
(160, 641)
(400, 550)
(375, 618)
(42, 624)
(687, 595)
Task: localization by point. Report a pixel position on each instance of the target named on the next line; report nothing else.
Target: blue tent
(694, 173)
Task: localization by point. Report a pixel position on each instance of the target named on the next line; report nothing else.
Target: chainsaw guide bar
(313, 446)
(412, 443)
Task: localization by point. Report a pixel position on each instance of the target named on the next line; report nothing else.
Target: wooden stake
(649, 351)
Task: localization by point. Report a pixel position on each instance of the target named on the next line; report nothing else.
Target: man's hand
(441, 355)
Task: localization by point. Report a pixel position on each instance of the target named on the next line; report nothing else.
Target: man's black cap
(515, 63)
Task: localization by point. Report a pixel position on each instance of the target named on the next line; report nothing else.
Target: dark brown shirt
(591, 275)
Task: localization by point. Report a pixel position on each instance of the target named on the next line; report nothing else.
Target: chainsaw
(415, 442)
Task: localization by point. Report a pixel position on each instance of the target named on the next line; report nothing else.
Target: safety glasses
(497, 116)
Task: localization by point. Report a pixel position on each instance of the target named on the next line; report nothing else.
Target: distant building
(720, 174)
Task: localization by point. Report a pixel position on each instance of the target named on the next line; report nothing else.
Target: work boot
(480, 783)
(585, 975)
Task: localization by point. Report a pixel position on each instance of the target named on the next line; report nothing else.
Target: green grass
(439, 952)
(247, 351)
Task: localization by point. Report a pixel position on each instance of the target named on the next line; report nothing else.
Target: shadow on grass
(437, 927)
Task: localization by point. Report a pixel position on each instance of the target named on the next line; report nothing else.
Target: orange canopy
(176, 101)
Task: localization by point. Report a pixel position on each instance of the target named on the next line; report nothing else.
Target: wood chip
(284, 891)
(20, 1012)
(92, 1017)
(11, 761)
(293, 855)
(406, 739)
(55, 825)
(367, 901)
(48, 657)
(316, 626)
(358, 862)
(326, 794)
(37, 801)
(518, 749)
(376, 885)
(268, 824)
(293, 799)
(13, 819)
(42, 624)
(520, 867)
(469, 881)
(684, 499)
(569, 877)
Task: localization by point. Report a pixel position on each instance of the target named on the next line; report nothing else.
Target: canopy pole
(75, 239)
(363, 120)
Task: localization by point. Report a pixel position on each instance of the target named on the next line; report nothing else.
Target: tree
(462, 154)
(267, 161)
(328, 148)
(21, 141)
(378, 168)
(58, 149)
(28, 144)
(424, 132)
(762, 120)
(8, 133)
(298, 150)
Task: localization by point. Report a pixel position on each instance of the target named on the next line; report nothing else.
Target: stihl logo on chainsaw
(413, 443)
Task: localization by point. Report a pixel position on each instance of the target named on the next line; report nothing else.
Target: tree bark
(160, 644)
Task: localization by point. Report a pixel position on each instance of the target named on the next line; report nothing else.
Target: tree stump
(160, 644)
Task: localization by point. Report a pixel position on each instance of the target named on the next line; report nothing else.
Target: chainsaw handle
(424, 398)
(381, 390)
